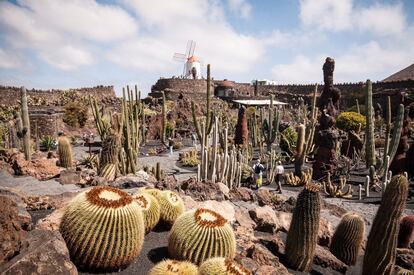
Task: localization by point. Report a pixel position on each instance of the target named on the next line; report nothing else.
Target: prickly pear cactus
(150, 208)
(171, 205)
(222, 266)
(172, 267)
(200, 234)
(103, 229)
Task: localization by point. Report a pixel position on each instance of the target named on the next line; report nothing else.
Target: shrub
(48, 143)
(75, 114)
(190, 159)
(348, 121)
(354, 108)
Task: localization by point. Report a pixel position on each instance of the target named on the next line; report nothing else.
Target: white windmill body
(192, 64)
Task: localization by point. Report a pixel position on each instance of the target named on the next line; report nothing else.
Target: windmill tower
(192, 65)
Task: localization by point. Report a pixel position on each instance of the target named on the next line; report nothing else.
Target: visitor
(194, 140)
(171, 145)
(280, 170)
(258, 169)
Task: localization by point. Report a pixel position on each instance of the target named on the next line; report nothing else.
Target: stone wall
(47, 120)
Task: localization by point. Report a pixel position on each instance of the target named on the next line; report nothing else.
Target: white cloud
(240, 7)
(10, 60)
(301, 70)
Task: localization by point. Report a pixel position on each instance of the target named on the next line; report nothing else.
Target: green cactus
(172, 267)
(200, 234)
(311, 126)
(111, 146)
(380, 252)
(164, 119)
(158, 172)
(152, 191)
(369, 130)
(150, 209)
(171, 205)
(65, 152)
(222, 266)
(103, 229)
(347, 239)
(25, 130)
(271, 126)
(303, 232)
(300, 150)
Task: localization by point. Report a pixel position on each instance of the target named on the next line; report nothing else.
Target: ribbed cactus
(222, 266)
(300, 150)
(25, 131)
(303, 232)
(305, 178)
(271, 126)
(103, 229)
(152, 191)
(150, 209)
(65, 152)
(369, 130)
(171, 205)
(241, 135)
(111, 146)
(158, 172)
(200, 234)
(347, 239)
(381, 246)
(406, 233)
(163, 119)
(172, 267)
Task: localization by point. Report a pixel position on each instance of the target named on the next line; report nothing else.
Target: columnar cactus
(381, 246)
(65, 152)
(164, 119)
(406, 233)
(200, 234)
(150, 209)
(25, 131)
(369, 130)
(347, 239)
(241, 135)
(300, 150)
(271, 126)
(171, 205)
(172, 267)
(303, 232)
(222, 266)
(103, 229)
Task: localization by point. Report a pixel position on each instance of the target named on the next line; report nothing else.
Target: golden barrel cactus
(103, 229)
(150, 209)
(171, 205)
(222, 266)
(152, 191)
(172, 267)
(65, 152)
(200, 234)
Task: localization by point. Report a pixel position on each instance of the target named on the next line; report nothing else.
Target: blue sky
(80, 43)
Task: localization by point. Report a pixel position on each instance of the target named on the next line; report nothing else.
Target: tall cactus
(369, 130)
(164, 119)
(381, 246)
(25, 133)
(311, 126)
(271, 126)
(300, 150)
(65, 152)
(303, 231)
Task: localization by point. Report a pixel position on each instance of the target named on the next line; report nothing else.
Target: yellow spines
(64, 152)
(103, 229)
(171, 205)
(200, 234)
(150, 208)
(152, 191)
(222, 266)
(172, 267)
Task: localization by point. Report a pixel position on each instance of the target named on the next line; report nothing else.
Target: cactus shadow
(158, 254)
(162, 227)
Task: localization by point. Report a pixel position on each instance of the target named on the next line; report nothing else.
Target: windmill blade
(179, 57)
(192, 48)
(185, 70)
(188, 48)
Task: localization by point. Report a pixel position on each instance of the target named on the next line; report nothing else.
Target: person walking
(258, 169)
(280, 170)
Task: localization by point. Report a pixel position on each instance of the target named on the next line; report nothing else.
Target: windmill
(192, 65)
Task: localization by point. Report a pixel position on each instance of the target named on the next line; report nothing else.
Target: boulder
(271, 270)
(243, 194)
(272, 242)
(189, 202)
(405, 258)
(224, 208)
(325, 232)
(224, 189)
(40, 168)
(264, 257)
(264, 197)
(70, 176)
(243, 218)
(127, 182)
(283, 220)
(44, 252)
(247, 263)
(323, 257)
(265, 218)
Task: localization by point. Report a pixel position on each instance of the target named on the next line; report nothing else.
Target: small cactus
(222, 266)
(200, 234)
(171, 205)
(337, 190)
(103, 229)
(406, 233)
(172, 267)
(305, 178)
(65, 152)
(303, 232)
(380, 252)
(150, 208)
(347, 239)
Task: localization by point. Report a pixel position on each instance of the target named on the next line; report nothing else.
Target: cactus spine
(150, 208)
(300, 150)
(65, 152)
(381, 246)
(303, 231)
(25, 133)
(347, 239)
(172, 267)
(171, 205)
(222, 266)
(369, 130)
(200, 234)
(406, 233)
(103, 229)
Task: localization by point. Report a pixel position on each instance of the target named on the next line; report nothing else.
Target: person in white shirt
(280, 170)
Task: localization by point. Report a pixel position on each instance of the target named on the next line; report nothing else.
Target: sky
(80, 43)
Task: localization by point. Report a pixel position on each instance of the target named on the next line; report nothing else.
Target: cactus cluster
(222, 266)
(150, 209)
(200, 234)
(305, 178)
(380, 252)
(347, 239)
(172, 267)
(171, 206)
(337, 190)
(406, 233)
(103, 229)
(303, 231)
(65, 152)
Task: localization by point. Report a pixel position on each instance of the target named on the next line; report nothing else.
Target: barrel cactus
(103, 229)
(150, 209)
(172, 267)
(347, 239)
(65, 152)
(152, 191)
(303, 231)
(380, 252)
(406, 233)
(200, 234)
(222, 266)
(171, 205)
